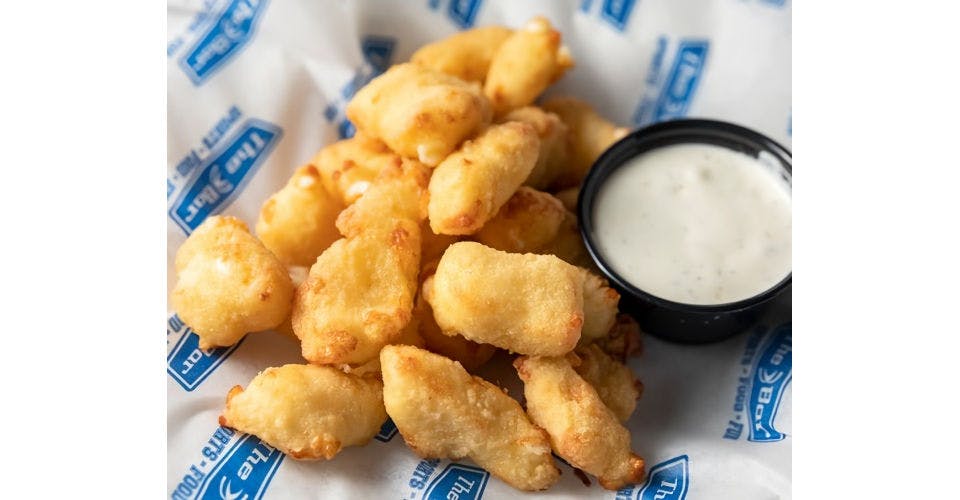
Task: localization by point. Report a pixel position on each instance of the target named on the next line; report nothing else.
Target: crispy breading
(228, 283)
(528, 221)
(347, 167)
(443, 412)
(465, 55)
(469, 186)
(297, 222)
(552, 159)
(418, 112)
(583, 431)
(359, 295)
(360, 292)
(614, 381)
(398, 192)
(599, 307)
(525, 64)
(470, 355)
(536, 222)
(589, 136)
(525, 303)
(308, 412)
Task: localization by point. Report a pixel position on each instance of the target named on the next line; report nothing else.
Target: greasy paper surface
(255, 88)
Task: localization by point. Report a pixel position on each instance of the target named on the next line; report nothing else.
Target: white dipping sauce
(696, 224)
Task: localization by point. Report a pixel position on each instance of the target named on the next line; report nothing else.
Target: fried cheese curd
(614, 381)
(348, 167)
(399, 192)
(552, 133)
(469, 186)
(360, 293)
(525, 303)
(589, 136)
(297, 222)
(465, 55)
(527, 222)
(443, 412)
(308, 412)
(228, 283)
(536, 222)
(418, 112)
(583, 431)
(525, 65)
(358, 296)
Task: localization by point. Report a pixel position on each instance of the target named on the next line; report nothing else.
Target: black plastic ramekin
(678, 322)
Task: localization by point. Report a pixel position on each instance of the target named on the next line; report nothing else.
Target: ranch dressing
(696, 224)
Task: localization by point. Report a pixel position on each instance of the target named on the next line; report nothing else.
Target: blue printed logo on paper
(666, 481)
(189, 365)
(224, 174)
(462, 482)
(682, 81)
(669, 96)
(225, 38)
(616, 13)
(244, 473)
(194, 477)
(387, 431)
(770, 378)
(421, 474)
(463, 13)
(765, 373)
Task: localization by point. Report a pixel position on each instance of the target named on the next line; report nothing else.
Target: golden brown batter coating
(358, 296)
(469, 186)
(526, 223)
(614, 381)
(348, 167)
(554, 149)
(590, 135)
(465, 55)
(418, 112)
(308, 412)
(525, 65)
(583, 431)
(297, 222)
(228, 283)
(525, 303)
(443, 412)
(398, 192)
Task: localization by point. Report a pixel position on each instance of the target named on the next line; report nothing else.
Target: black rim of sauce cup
(675, 321)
